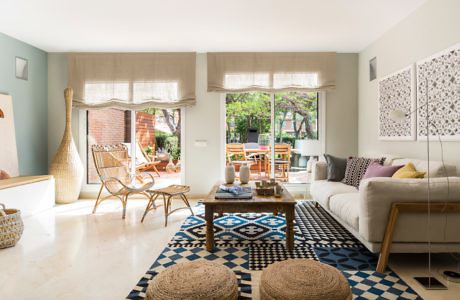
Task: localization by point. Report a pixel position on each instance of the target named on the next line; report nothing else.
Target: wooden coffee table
(258, 204)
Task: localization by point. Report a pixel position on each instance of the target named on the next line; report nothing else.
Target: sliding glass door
(157, 140)
(270, 133)
(296, 121)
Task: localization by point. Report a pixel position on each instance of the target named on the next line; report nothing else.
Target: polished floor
(69, 253)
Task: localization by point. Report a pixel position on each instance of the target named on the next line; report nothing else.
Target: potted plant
(172, 147)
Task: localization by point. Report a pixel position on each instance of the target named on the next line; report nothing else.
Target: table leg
(209, 216)
(290, 228)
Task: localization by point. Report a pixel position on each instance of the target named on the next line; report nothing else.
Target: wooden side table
(258, 204)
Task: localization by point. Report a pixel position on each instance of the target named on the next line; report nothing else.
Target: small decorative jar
(244, 173)
(229, 173)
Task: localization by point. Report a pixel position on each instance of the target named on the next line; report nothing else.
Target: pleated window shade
(132, 80)
(271, 72)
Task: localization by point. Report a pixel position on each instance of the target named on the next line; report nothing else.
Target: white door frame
(321, 132)
(90, 190)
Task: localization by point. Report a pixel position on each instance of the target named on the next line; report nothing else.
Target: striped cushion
(356, 168)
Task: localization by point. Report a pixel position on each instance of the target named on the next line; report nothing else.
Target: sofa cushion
(322, 190)
(356, 167)
(335, 167)
(377, 170)
(346, 207)
(408, 171)
(436, 167)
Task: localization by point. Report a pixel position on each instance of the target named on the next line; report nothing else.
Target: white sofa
(365, 211)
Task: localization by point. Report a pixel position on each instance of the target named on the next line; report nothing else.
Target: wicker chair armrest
(107, 179)
(131, 188)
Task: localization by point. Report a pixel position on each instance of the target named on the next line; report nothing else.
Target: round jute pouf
(200, 280)
(296, 279)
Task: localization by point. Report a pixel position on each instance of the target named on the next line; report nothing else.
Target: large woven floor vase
(66, 166)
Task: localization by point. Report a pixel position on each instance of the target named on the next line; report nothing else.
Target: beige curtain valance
(271, 72)
(132, 80)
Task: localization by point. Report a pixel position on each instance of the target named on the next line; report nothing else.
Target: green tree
(252, 110)
(245, 111)
(303, 107)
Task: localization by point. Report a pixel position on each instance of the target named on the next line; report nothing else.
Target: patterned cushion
(356, 168)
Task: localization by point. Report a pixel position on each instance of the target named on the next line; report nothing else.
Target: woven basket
(11, 226)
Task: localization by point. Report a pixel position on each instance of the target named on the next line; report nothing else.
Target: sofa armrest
(378, 194)
(319, 170)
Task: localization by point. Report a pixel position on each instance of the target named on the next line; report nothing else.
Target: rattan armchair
(112, 166)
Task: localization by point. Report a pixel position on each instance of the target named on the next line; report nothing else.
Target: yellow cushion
(408, 171)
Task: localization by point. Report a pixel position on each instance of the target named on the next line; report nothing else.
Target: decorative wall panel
(397, 94)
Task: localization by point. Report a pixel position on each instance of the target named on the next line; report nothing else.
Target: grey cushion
(335, 167)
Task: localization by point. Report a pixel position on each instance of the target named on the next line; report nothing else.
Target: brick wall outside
(105, 126)
(113, 126)
(145, 128)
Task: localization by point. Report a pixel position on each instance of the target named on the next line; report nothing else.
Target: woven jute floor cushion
(296, 279)
(200, 280)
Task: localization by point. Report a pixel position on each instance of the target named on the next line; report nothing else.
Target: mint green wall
(30, 103)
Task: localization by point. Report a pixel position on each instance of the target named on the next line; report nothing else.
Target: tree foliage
(168, 141)
(252, 110)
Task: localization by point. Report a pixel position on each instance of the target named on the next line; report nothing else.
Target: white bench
(30, 194)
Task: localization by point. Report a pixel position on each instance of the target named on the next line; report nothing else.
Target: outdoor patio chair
(236, 155)
(283, 160)
(112, 165)
(255, 157)
(144, 162)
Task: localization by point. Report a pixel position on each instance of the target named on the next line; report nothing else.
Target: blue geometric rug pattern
(249, 242)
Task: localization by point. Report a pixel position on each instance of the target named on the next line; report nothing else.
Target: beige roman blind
(132, 80)
(271, 72)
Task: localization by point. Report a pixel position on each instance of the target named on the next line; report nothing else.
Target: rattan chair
(112, 166)
(168, 193)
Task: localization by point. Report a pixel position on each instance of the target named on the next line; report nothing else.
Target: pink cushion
(377, 170)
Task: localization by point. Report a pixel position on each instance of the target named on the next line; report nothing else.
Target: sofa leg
(387, 239)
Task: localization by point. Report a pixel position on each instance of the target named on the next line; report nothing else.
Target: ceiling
(201, 25)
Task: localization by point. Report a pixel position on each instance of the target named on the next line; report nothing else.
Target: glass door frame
(90, 190)
(321, 133)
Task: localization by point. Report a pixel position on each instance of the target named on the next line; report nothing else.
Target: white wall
(342, 108)
(203, 165)
(431, 28)
(203, 121)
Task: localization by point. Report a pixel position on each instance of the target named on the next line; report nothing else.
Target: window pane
(105, 127)
(239, 81)
(248, 132)
(165, 91)
(157, 134)
(296, 120)
(286, 80)
(99, 92)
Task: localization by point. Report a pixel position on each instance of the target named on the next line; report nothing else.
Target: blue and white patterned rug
(247, 243)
